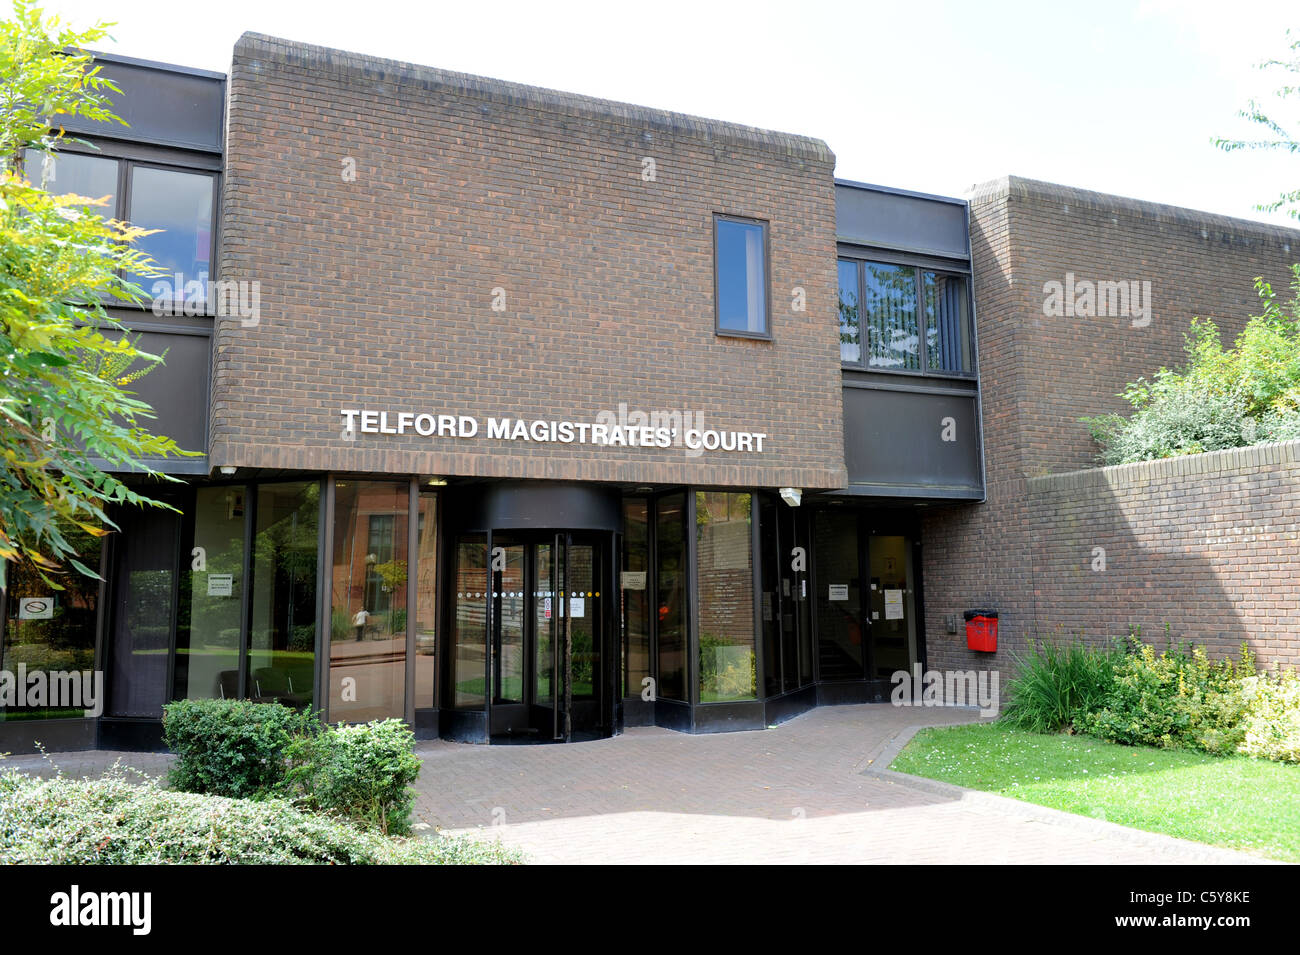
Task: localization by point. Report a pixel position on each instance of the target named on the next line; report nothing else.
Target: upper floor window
(177, 202)
(740, 263)
(904, 318)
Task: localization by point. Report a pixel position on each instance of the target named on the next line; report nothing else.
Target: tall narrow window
(850, 313)
(670, 589)
(740, 250)
(947, 328)
(208, 634)
(725, 571)
(179, 204)
(636, 605)
(891, 319)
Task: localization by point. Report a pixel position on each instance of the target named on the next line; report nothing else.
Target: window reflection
(725, 571)
(180, 205)
(64, 173)
(742, 276)
(890, 316)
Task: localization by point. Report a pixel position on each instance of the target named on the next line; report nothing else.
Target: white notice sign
(35, 608)
(634, 580)
(221, 585)
(577, 606)
(893, 604)
(839, 592)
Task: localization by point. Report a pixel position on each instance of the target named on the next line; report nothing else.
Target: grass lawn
(1234, 802)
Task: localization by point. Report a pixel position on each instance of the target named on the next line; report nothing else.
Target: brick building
(532, 415)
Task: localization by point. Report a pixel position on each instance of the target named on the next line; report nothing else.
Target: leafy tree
(63, 407)
(1277, 136)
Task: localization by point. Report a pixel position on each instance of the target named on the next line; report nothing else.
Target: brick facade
(381, 289)
(1172, 554)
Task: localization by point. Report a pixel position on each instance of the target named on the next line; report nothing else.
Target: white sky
(1122, 97)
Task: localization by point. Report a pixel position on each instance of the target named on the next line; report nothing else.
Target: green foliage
(734, 679)
(112, 821)
(364, 772)
(1057, 684)
(1271, 728)
(1221, 398)
(233, 748)
(1276, 136)
(59, 263)
(1177, 698)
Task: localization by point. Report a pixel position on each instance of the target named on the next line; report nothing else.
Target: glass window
(51, 630)
(840, 645)
(889, 314)
(850, 327)
(179, 204)
(947, 324)
(368, 599)
(636, 603)
(725, 572)
(144, 595)
(469, 622)
(282, 637)
(426, 590)
(670, 589)
(770, 601)
(208, 633)
(741, 253)
(63, 174)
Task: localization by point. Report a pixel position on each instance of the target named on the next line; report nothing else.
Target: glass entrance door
(547, 638)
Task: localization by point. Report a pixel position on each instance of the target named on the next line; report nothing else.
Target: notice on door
(577, 606)
(893, 604)
(221, 585)
(546, 608)
(35, 608)
(634, 580)
(838, 592)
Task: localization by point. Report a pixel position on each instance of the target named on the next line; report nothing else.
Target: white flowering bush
(113, 821)
(1272, 719)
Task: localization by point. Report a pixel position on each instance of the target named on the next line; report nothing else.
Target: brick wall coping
(1188, 465)
(257, 46)
(1021, 188)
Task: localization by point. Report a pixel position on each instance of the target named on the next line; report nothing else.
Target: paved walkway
(811, 790)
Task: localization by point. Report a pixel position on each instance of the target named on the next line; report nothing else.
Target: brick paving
(813, 790)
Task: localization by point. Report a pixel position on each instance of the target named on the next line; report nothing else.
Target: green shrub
(1176, 698)
(110, 821)
(1220, 398)
(231, 747)
(364, 772)
(1056, 685)
(1271, 726)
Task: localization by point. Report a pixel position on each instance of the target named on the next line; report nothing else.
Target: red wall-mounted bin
(982, 630)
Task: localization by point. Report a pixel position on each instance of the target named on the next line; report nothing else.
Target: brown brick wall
(377, 293)
(1021, 550)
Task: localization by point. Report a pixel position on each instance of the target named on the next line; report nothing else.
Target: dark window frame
(766, 226)
(923, 357)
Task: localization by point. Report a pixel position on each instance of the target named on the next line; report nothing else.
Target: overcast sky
(1122, 97)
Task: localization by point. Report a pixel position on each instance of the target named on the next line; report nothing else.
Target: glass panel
(508, 623)
(62, 174)
(426, 588)
(53, 630)
(546, 612)
(742, 282)
(947, 323)
(839, 603)
(282, 636)
(207, 636)
(889, 316)
(180, 204)
(725, 571)
(368, 587)
(670, 588)
(584, 615)
(850, 327)
(770, 599)
(144, 587)
(636, 594)
(892, 625)
(469, 622)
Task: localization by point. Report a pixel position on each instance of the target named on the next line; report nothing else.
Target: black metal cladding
(914, 434)
(165, 105)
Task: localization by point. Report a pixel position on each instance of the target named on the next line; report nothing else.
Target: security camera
(791, 495)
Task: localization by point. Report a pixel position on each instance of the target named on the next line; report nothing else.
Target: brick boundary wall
(1203, 548)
